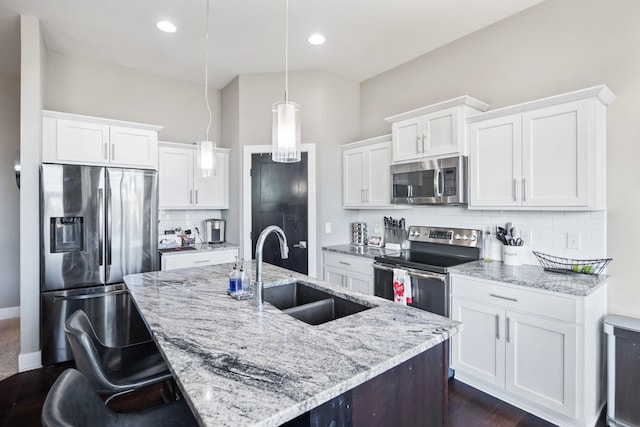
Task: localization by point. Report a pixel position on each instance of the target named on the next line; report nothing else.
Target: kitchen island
(237, 365)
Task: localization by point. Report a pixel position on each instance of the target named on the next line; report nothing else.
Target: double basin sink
(309, 304)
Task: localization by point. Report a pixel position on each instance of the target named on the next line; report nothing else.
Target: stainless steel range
(432, 251)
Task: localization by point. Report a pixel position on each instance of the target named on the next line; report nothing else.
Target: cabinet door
(479, 349)
(441, 134)
(541, 361)
(495, 162)
(407, 139)
(134, 147)
(353, 164)
(556, 156)
(81, 142)
(334, 275)
(378, 175)
(175, 176)
(360, 282)
(213, 192)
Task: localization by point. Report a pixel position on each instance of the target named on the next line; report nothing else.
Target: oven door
(430, 291)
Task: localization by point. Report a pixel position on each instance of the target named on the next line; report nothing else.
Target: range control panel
(445, 236)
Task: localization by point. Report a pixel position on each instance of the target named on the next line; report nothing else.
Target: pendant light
(286, 115)
(207, 149)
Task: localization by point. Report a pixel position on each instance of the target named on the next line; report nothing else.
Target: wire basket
(569, 265)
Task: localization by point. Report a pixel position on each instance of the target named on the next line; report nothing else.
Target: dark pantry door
(279, 197)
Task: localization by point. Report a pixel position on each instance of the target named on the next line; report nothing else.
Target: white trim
(9, 312)
(29, 361)
(245, 228)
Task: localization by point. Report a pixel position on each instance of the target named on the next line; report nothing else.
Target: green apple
(577, 268)
(587, 269)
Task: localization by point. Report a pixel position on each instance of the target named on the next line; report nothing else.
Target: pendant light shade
(206, 158)
(286, 115)
(286, 132)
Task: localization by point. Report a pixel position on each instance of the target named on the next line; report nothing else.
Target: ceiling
(364, 37)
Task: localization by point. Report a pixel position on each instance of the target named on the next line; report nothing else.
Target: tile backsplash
(543, 231)
(185, 219)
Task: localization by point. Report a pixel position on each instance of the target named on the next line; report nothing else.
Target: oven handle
(412, 273)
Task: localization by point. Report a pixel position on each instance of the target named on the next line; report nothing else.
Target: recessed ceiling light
(166, 26)
(316, 39)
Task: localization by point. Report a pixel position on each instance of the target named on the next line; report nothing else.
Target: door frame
(310, 149)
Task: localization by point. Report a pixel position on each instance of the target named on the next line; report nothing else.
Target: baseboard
(9, 312)
(29, 361)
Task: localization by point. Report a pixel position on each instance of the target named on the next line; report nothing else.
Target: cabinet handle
(201, 261)
(196, 197)
(105, 151)
(113, 151)
(343, 263)
(501, 297)
(507, 332)
(366, 195)
(417, 143)
(190, 196)
(524, 189)
(424, 137)
(515, 191)
(497, 326)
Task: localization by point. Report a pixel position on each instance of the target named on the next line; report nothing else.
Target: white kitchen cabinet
(365, 173)
(197, 258)
(542, 155)
(538, 350)
(75, 139)
(351, 272)
(180, 184)
(433, 131)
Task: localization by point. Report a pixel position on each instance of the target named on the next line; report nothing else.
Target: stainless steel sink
(309, 304)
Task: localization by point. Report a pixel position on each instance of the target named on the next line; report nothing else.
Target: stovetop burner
(437, 249)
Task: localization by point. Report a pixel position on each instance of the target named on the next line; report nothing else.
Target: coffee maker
(214, 230)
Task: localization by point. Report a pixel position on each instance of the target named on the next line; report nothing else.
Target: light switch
(327, 227)
(573, 240)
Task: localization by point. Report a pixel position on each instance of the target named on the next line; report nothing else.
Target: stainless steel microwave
(430, 182)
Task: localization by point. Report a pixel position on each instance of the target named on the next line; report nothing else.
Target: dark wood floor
(22, 396)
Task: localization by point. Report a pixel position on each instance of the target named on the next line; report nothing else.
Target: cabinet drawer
(173, 262)
(558, 307)
(351, 263)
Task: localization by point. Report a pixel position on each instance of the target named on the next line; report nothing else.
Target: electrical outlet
(327, 227)
(573, 240)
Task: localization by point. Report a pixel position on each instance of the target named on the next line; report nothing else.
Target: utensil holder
(513, 255)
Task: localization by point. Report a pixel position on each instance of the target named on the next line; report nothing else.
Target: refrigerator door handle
(58, 298)
(108, 228)
(101, 224)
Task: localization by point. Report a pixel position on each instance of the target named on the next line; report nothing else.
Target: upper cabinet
(433, 131)
(181, 186)
(547, 154)
(366, 179)
(76, 139)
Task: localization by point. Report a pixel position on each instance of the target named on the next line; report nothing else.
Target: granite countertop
(238, 365)
(201, 247)
(363, 251)
(532, 276)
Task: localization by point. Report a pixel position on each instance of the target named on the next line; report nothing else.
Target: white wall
(330, 117)
(83, 86)
(32, 69)
(555, 47)
(9, 194)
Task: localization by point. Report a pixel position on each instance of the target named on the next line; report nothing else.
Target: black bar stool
(113, 370)
(72, 402)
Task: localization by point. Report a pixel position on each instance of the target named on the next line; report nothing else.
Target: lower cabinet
(197, 259)
(537, 350)
(352, 272)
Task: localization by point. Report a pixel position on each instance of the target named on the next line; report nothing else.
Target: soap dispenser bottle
(234, 277)
(241, 278)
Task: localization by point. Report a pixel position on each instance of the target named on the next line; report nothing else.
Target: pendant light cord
(286, 52)
(206, 73)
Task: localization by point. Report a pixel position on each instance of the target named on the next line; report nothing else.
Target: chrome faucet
(258, 293)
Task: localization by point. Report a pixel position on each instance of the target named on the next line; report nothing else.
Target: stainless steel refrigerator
(97, 225)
